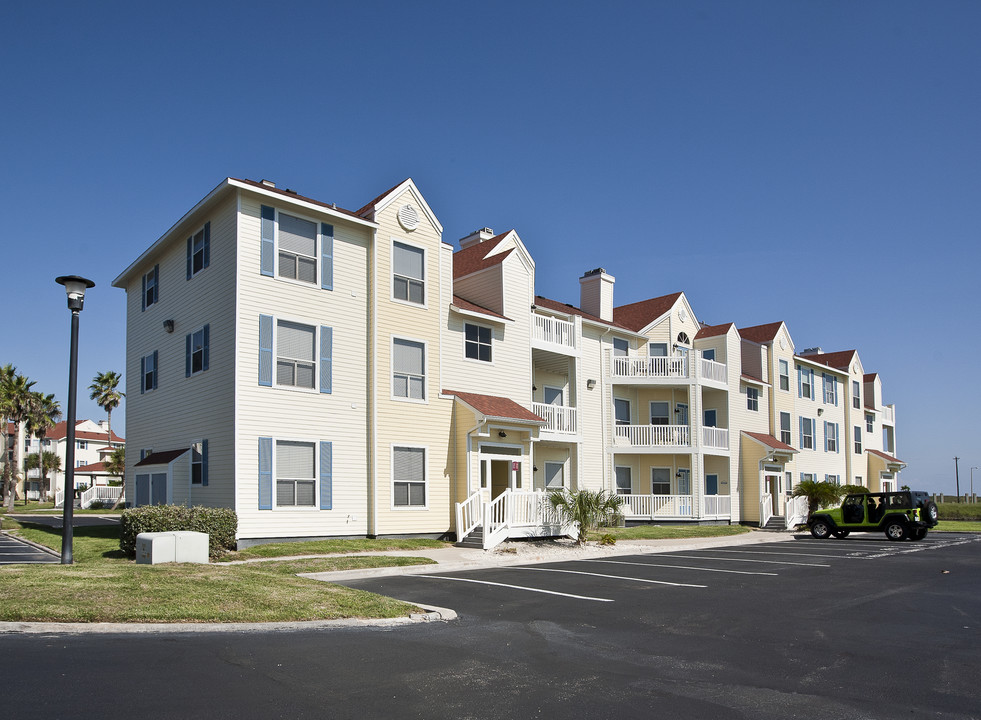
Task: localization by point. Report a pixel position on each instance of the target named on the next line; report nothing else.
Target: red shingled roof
(573, 310)
(99, 467)
(497, 407)
(161, 458)
(295, 196)
(839, 360)
(636, 316)
(761, 333)
(769, 441)
(713, 330)
(869, 377)
(366, 209)
(886, 457)
(474, 258)
(60, 431)
(474, 307)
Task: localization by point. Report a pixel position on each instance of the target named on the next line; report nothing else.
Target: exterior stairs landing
(474, 540)
(777, 523)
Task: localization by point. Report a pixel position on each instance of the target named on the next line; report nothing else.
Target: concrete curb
(33, 544)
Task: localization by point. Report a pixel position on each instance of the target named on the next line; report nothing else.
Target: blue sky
(813, 162)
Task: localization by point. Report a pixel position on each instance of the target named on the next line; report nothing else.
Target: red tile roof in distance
(869, 377)
(884, 456)
(60, 431)
(366, 209)
(713, 330)
(761, 333)
(474, 307)
(99, 467)
(161, 458)
(839, 360)
(474, 258)
(636, 316)
(770, 441)
(295, 196)
(497, 407)
(573, 310)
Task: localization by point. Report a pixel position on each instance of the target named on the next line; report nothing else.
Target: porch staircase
(776, 523)
(474, 540)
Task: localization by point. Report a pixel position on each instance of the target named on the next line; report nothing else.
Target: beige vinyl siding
(404, 423)
(595, 409)
(751, 480)
(484, 288)
(283, 413)
(182, 410)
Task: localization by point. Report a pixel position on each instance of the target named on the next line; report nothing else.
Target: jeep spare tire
(820, 529)
(930, 514)
(896, 530)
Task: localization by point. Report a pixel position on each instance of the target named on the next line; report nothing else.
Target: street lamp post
(973, 499)
(75, 286)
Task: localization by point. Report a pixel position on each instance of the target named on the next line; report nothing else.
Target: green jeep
(900, 515)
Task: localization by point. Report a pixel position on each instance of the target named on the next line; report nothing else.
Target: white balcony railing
(653, 435)
(553, 331)
(558, 418)
(715, 437)
(889, 414)
(717, 505)
(712, 370)
(625, 366)
(654, 507)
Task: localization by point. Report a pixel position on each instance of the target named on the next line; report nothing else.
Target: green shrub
(959, 511)
(608, 539)
(219, 523)
(854, 489)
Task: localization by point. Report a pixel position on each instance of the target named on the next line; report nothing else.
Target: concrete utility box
(167, 547)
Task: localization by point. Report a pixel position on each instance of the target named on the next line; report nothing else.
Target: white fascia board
(481, 316)
(408, 183)
(312, 207)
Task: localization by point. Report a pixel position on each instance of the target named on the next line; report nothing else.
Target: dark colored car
(900, 515)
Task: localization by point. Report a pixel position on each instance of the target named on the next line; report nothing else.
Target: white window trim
(790, 427)
(781, 375)
(629, 411)
(156, 373)
(190, 464)
(478, 361)
(318, 250)
(553, 387)
(812, 424)
(316, 476)
(560, 488)
(194, 272)
(630, 469)
(749, 398)
(671, 477)
(425, 381)
(192, 334)
(391, 479)
(651, 411)
(316, 353)
(391, 267)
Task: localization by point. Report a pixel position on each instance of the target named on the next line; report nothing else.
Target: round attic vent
(408, 217)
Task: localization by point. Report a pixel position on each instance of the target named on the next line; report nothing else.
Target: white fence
(653, 435)
(650, 367)
(558, 418)
(715, 437)
(658, 507)
(554, 331)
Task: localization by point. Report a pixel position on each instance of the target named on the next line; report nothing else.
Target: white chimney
(596, 294)
(477, 236)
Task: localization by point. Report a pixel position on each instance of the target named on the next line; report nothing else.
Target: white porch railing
(33, 494)
(558, 418)
(766, 509)
(649, 367)
(889, 414)
(796, 511)
(715, 437)
(712, 370)
(522, 513)
(719, 506)
(468, 515)
(554, 331)
(658, 507)
(59, 498)
(100, 493)
(653, 435)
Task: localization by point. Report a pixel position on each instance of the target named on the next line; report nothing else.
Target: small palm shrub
(586, 508)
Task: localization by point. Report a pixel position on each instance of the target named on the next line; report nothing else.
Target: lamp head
(75, 286)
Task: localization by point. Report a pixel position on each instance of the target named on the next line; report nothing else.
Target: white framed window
(784, 372)
(858, 440)
(785, 428)
(620, 347)
(477, 342)
(295, 248)
(788, 481)
(830, 385)
(554, 476)
(296, 474)
(660, 413)
(753, 399)
(806, 477)
(830, 437)
(199, 251)
(869, 422)
(553, 396)
(408, 273)
(833, 479)
(196, 351)
(856, 395)
(621, 411)
(82, 445)
(684, 481)
(408, 369)
(805, 382)
(710, 417)
(623, 479)
(660, 481)
(807, 433)
(711, 484)
(657, 349)
(148, 372)
(199, 462)
(708, 354)
(409, 477)
(151, 282)
(296, 364)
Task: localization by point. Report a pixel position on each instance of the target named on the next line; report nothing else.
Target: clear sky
(812, 162)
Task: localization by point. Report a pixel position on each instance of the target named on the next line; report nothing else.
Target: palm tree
(15, 394)
(106, 395)
(818, 494)
(586, 508)
(7, 373)
(116, 466)
(43, 413)
(48, 460)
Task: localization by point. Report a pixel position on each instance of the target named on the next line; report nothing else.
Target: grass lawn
(663, 532)
(48, 508)
(957, 526)
(104, 586)
(959, 511)
(330, 547)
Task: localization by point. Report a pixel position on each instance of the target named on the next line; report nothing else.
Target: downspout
(372, 524)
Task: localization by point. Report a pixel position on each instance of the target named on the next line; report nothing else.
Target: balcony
(652, 436)
(715, 438)
(675, 507)
(550, 333)
(888, 415)
(558, 418)
(667, 370)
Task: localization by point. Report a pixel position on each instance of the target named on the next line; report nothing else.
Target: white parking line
(615, 577)
(683, 567)
(747, 560)
(755, 552)
(921, 547)
(518, 587)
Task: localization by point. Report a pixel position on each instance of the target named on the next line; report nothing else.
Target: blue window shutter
(265, 473)
(327, 256)
(826, 436)
(326, 353)
(837, 444)
(207, 343)
(800, 381)
(265, 350)
(190, 254)
(207, 245)
(326, 479)
(143, 295)
(801, 433)
(204, 462)
(156, 369)
(267, 248)
(187, 355)
(156, 283)
(142, 375)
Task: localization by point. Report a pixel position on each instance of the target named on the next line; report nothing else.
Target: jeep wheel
(930, 514)
(820, 530)
(896, 530)
(840, 534)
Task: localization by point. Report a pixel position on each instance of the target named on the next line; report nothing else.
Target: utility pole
(957, 479)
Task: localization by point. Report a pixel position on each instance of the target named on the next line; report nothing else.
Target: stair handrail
(468, 515)
(497, 519)
(766, 512)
